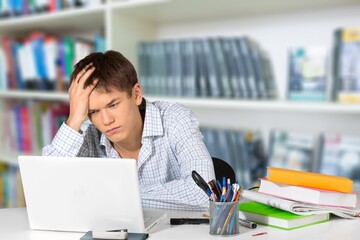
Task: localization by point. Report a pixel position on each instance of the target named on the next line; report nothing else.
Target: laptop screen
(81, 194)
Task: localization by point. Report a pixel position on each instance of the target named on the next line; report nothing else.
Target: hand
(79, 98)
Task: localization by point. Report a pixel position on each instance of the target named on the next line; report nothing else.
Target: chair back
(223, 169)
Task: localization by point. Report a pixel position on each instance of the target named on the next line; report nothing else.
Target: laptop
(82, 194)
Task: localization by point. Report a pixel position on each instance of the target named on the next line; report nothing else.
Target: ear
(137, 94)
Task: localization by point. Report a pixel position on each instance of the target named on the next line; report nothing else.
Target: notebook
(82, 194)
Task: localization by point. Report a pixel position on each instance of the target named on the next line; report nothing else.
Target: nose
(106, 117)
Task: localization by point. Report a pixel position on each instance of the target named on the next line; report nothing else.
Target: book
(292, 150)
(274, 217)
(269, 77)
(202, 81)
(308, 195)
(299, 207)
(309, 179)
(222, 67)
(3, 71)
(189, 69)
(244, 48)
(231, 63)
(242, 158)
(347, 64)
(340, 155)
(237, 64)
(212, 71)
(308, 78)
(255, 58)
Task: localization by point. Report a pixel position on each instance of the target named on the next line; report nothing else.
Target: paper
(300, 208)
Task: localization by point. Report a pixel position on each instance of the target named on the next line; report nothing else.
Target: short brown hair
(112, 70)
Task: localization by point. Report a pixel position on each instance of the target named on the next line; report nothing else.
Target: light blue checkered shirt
(172, 147)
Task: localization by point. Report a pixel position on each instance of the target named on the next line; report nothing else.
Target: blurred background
(272, 82)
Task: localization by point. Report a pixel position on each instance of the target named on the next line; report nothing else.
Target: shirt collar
(153, 125)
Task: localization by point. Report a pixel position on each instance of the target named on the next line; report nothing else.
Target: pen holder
(224, 218)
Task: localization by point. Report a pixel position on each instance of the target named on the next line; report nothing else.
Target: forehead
(100, 98)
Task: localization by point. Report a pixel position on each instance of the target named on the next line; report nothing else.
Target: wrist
(74, 124)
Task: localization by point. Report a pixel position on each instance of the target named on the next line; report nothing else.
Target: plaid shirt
(172, 147)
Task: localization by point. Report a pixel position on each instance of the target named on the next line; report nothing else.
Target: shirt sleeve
(191, 153)
(66, 143)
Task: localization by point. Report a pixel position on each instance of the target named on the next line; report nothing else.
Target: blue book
(38, 53)
(20, 82)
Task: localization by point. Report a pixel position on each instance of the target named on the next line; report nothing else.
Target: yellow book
(350, 97)
(309, 179)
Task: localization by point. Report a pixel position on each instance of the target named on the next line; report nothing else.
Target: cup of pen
(224, 218)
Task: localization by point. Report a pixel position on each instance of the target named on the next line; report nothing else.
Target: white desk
(14, 226)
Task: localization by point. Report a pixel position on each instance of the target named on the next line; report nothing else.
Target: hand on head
(79, 97)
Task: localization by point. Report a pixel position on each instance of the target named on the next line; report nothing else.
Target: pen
(247, 223)
(218, 184)
(180, 221)
(259, 234)
(214, 190)
(223, 189)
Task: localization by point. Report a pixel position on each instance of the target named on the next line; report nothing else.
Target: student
(163, 138)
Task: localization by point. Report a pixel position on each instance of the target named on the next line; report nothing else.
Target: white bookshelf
(276, 24)
(211, 103)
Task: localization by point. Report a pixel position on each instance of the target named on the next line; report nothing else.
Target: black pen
(180, 221)
(247, 223)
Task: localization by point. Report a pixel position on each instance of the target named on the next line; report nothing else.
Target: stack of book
(41, 60)
(225, 67)
(290, 199)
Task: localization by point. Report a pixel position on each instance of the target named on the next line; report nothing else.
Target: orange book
(310, 179)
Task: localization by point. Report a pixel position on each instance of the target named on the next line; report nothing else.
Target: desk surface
(14, 226)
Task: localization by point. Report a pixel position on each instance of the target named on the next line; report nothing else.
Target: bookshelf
(276, 25)
(272, 23)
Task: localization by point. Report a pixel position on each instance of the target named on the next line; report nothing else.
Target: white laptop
(83, 194)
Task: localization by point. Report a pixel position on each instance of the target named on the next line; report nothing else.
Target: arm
(191, 153)
(69, 138)
(66, 143)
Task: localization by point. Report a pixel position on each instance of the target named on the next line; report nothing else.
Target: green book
(274, 217)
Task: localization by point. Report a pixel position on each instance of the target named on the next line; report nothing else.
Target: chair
(223, 169)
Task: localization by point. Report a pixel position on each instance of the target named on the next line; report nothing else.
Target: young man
(163, 138)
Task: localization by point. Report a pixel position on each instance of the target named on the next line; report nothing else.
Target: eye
(92, 112)
(113, 105)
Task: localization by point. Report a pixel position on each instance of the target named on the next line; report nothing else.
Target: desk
(14, 226)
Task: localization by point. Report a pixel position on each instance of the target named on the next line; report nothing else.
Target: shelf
(252, 105)
(34, 95)
(64, 21)
(235, 104)
(9, 159)
(179, 11)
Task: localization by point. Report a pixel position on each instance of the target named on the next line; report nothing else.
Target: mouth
(112, 131)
